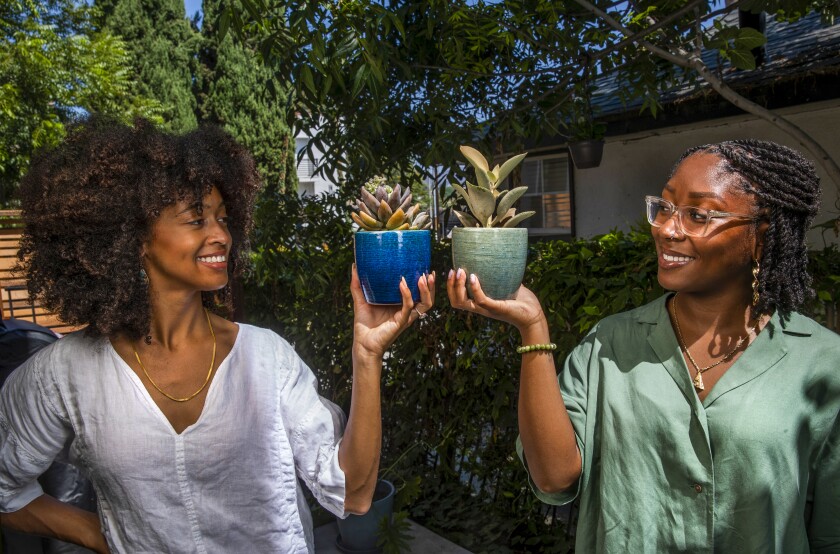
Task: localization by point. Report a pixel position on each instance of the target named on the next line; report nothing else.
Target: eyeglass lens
(693, 221)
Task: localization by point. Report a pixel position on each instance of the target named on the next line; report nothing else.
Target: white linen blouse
(227, 483)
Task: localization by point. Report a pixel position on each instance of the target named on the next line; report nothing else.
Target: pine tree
(162, 45)
(233, 90)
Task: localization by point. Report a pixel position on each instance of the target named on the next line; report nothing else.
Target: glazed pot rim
(477, 229)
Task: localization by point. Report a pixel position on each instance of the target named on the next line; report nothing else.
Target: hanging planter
(587, 154)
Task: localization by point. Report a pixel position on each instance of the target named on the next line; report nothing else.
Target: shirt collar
(656, 312)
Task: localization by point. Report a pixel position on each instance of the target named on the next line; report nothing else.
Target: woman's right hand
(522, 311)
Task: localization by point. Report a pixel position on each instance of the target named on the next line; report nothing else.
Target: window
(549, 194)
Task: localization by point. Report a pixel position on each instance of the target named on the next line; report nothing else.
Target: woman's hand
(522, 311)
(375, 328)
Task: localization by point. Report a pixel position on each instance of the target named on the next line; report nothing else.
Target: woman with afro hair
(194, 430)
(707, 420)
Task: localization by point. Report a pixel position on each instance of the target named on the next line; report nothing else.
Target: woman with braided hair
(707, 420)
(196, 432)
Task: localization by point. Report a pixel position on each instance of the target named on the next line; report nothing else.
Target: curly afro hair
(787, 190)
(89, 204)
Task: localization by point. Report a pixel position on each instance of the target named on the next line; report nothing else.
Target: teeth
(213, 259)
(669, 258)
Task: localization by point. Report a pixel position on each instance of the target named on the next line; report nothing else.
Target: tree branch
(695, 62)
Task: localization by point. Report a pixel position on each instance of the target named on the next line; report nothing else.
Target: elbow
(556, 484)
(357, 506)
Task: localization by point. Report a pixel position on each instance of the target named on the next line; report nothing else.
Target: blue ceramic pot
(384, 257)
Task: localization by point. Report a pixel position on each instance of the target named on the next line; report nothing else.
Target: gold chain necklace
(698, 378)
(209, 372)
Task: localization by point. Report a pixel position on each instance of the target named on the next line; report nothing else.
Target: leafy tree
(404, 81)
(53, 66)
(235, 90)
(162, 47)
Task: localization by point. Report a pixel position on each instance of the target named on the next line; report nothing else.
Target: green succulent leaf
(509, 165)
(515, 220)
(484, 179)
(500, 220)
(462, 192)
(507, 201)
(466, 219)
(482, 204)
(475, 158)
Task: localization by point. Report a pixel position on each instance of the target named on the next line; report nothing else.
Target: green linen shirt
(755, 467)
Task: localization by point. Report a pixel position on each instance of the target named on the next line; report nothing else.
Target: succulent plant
(385, 208)
(490, 206)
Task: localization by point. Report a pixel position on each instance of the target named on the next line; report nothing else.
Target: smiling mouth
(212, 259)
(676, 259)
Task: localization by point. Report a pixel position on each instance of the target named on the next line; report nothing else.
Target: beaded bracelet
(535, 347)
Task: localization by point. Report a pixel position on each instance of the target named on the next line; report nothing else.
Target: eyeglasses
(693, 221)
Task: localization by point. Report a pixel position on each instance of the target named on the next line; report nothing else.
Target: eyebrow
(194, 208)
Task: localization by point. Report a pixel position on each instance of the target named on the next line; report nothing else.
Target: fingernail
(451, 272)
(460, 273)
(472, 278)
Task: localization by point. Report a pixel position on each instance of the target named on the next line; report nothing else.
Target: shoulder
(254, 336)
(804, 336)
(633, 322)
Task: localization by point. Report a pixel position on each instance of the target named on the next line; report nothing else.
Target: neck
(726, 312)
(177, 318)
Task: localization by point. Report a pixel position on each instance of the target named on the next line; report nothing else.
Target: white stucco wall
(612, 196)
(308, 183)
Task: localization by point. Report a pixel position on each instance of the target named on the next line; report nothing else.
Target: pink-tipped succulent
(383, 208)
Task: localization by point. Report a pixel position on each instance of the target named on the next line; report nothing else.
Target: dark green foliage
(450, 383)
(53, 65)
(162, 48)
(235, 90)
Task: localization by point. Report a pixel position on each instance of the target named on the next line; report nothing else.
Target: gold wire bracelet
(535, 347)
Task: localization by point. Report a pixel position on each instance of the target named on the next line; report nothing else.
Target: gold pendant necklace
(698, 377)
(209, 372)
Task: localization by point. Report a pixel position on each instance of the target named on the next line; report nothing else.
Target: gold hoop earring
(756, 269)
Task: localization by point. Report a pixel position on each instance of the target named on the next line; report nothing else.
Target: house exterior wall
(308, 183)
(611, 195)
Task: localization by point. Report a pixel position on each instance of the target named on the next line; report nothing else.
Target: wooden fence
(14, 298)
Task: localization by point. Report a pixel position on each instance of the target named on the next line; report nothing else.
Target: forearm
(547, 435)
(360, 448)
(48, 517)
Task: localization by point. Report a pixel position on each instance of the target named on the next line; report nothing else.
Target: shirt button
(698, 488)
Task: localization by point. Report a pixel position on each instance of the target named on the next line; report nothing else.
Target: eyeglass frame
(713, 214)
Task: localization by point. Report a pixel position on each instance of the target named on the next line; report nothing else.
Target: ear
(760, 231)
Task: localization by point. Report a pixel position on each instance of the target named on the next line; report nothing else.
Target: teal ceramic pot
(359, 534)
(384, 257)
(497, 256)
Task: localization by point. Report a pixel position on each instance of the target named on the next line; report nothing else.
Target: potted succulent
(489, 244)
(393, 241)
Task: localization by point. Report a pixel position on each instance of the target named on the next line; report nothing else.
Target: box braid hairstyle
(89, 205)
(787, 189)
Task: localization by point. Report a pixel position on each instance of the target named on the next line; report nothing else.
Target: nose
(672, 227)
(218, 233)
